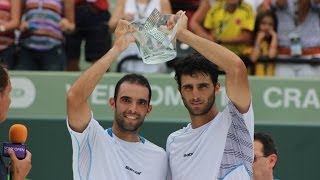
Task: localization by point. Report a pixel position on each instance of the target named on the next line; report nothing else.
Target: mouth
(196, 103)
(131, 117)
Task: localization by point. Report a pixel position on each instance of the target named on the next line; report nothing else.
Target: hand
(66, 26)
(260, 36)
(171, 21)
(272, 33)
(123, 36)
(183, 21)
(24, 26)
(19, 168)
(128, 17)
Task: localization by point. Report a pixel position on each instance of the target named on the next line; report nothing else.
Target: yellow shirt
(264, 68)
(226, 25)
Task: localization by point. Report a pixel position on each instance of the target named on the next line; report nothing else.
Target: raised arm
(165, 7)
(117, 14)
(196, 21)
(237, 84)
(78, 108)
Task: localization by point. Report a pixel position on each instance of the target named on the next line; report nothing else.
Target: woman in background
(10, 14)
(265, 43)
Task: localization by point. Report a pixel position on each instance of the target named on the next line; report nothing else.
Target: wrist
(15, 176)
(182, 34)
(115, 51)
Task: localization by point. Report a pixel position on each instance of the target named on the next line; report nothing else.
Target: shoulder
(218, 6)
(177, 133)
(246, 7)
(155, 148)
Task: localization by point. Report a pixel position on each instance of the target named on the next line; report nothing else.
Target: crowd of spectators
(273, 37)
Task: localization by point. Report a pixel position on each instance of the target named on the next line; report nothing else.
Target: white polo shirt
(100, 154)
(220, 149)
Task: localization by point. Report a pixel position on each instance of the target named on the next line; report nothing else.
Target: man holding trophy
(215, 145)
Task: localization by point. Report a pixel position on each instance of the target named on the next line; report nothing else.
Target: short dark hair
(4, 78)
(195, 63)
(133, 79)
(269, 146)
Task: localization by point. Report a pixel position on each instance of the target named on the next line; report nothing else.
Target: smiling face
(131, 106)
(198, 93)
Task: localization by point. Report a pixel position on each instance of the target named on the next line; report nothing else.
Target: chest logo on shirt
(237, 21)
(188, 155)
(130, 169)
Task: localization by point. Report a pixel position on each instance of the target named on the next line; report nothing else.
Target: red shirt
(102, 5)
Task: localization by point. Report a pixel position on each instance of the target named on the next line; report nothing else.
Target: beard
(200, 111)
(128, 126)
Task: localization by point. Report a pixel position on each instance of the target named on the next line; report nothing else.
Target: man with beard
(116, 153)
(215, 145)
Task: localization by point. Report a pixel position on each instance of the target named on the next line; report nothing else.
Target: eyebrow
(128, 97)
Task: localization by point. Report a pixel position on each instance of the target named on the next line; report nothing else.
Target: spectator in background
(10, 11)
(41, 41)
(298, 37)
(92, 18)
(132, 10)
(265, 43)
(196, 21)
(19, 169)
(265, 157)
(231, 23)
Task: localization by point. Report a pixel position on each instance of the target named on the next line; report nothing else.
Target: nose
(195, 94)
(133, 108)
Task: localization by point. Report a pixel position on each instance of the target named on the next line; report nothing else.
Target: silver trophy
(155, 37)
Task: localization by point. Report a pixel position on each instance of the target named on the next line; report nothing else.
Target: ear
(112, 103)
(217, 88)
(149, 110)
(272, 160)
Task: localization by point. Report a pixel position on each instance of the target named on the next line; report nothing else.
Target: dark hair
(260, 16)
(269, 146)
(133, 79)
(4, 77)
(195, 63)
